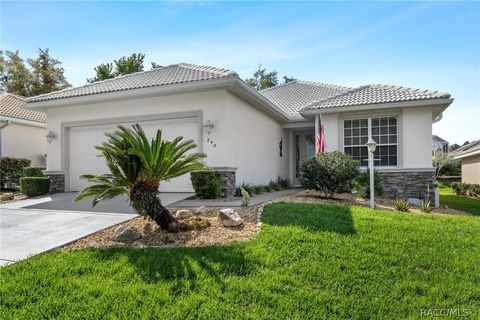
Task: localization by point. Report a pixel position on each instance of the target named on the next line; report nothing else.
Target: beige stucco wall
(244, 136)
(24, 141)
(471, 169)
(414, 133)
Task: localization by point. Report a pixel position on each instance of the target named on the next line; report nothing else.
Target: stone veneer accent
(228, 180)
(57, 181)
(408, 184)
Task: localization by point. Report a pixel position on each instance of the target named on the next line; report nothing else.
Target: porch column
(317, 127)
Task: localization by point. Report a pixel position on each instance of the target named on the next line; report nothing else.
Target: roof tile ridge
(337, 96)
(219, 71)
(438, 94)
(279, 85)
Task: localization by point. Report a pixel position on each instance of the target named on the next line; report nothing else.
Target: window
(383, 130)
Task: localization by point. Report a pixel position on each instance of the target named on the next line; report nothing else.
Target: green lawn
(308, 262)
(463, 203)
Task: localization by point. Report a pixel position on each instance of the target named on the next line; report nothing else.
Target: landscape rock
(125, 234)
(414, 201)
(201, 210)
(183, 214)
(7, 197)
(229, 218)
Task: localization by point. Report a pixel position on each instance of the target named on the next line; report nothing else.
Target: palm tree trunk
(146, 203)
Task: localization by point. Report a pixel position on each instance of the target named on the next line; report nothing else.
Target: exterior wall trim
(24, 122)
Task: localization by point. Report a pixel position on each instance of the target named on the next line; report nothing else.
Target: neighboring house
(439, 144)
(260, 135)
(470, 156)
(22, 131)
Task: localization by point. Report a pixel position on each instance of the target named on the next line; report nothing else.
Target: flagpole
(317, 131)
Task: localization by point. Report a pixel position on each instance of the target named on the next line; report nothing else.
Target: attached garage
(83, 157)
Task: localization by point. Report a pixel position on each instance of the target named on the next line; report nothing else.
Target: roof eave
(467, 154)
(23, 121)
(443, 103)
(186, 87)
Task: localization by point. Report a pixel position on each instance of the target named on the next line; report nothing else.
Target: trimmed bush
(34, 186)
(362, 184)
(329, 172)
(207, 184)
(33, 171)
(466, 189)
(11, 170)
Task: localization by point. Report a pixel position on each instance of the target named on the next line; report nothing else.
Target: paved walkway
(256, 199)
(26, 232)
(64, 201)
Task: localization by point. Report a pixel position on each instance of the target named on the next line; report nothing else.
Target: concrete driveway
(64, 201)
(39, 224)
(26, 232)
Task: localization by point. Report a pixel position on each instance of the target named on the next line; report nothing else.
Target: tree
(124, 65)
(155, 65)
(262, 79)
(44, 75)
(16, 78)
(48, 75)
(441, 159)
(137, 167)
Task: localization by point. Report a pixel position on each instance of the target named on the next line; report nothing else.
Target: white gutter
(468, 154)
(22, 121)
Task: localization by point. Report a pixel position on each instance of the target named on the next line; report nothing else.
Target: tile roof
(172, 74)
(11, 106)
(376, 93)
(471, 147)
(291, 97)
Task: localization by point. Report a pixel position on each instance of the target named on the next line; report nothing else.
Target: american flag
(320, 139)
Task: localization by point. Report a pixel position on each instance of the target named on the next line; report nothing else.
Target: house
(439, 144)
(249, 136)
(470, 156)
(22, 131)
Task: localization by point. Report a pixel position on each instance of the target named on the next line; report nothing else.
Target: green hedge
(33, 171)
(11, 170)
(34, 186)
(466, 189)
(207, 184)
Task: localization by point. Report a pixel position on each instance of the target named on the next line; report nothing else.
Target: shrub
(425, 206)
(466, 189)
(248, 187)
(275, 186)
(258, 189)
(283, 182)
(451, 168)
(11, 170)
(34, 186)
(362, 184)
(207, 184)
(401, 205)
(329, 172)
(33, 171)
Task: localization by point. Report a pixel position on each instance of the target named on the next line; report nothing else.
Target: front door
(304, 149)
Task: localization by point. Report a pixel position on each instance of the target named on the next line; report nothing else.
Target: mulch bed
(310, 196)
(152, 235)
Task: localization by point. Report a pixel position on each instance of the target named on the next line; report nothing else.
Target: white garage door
(84, 157)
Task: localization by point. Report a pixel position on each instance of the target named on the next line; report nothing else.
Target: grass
(463, 203)
(308, 262)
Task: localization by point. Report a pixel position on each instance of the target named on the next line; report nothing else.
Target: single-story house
(250, 136)
(22, 131)
(439, 144)
(470, 156)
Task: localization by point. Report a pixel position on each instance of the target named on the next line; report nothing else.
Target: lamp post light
(371, 146)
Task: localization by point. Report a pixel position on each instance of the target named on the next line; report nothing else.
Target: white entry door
(84, 159)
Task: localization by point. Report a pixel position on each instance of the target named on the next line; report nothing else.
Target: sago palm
(137, 166)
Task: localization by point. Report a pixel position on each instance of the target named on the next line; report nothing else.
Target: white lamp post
(371, 146)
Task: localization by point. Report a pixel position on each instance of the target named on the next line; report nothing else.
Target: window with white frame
(383, 130)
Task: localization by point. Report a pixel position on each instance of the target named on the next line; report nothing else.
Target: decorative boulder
(414, 201)
(183, 214)
(201, 210)
(229, 218)
(125, 234)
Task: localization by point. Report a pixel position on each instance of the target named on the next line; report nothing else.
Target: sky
(428, 45)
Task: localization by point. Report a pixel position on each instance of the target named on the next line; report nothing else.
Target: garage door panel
(84, 158)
